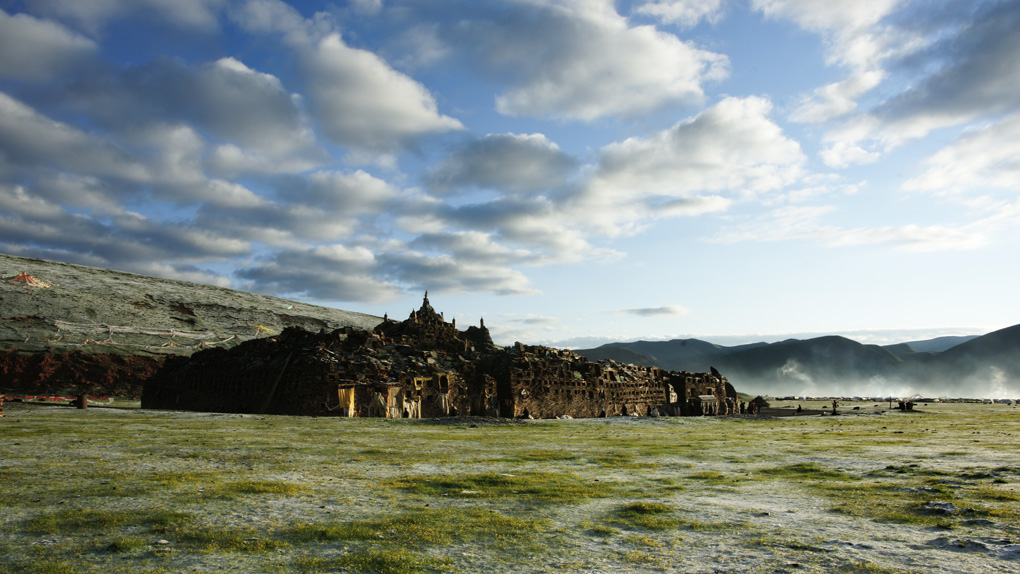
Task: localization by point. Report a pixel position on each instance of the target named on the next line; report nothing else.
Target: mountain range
(986, 366)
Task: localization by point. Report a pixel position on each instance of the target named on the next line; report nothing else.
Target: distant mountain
(991, 360)
(677, 355)
(620, 354)
(986, 366)
(935, 345)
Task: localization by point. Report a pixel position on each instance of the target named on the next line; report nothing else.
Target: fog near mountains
(793, 379)
(986, 366)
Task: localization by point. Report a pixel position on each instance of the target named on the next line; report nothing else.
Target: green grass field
(106, 490)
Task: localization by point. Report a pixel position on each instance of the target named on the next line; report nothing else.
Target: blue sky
(573, 171)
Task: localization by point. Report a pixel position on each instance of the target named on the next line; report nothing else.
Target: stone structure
(424, 367)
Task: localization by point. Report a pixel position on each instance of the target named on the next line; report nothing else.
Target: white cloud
(828, 16)
(326, 273)
(730, 148)
(124, 241)
(446, 274)
(249, 107)
(347, 193)
(358, 99)
(685, 13)
(369, 7)
(837, 99)
(578, 60)
(93, 15)
(550, 233)
(666, 311)
(855, 38)
(251, 121)
(511, 163)
(804, 223)
(963, 70)
(982, 160)
(276, 17)
(34, 49)
(31, 140)
(471, 246)
(362, 102)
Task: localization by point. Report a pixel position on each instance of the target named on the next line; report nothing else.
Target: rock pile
(423, 367)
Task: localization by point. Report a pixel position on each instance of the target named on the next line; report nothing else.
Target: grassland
(107, 490)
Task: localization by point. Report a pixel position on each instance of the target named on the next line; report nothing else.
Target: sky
(573, 171)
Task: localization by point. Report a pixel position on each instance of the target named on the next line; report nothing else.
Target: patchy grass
(256, 487)
(389, 561)
(93, 492)
(530, 486)
(716, 478)
(79, 520)
(807, 471)
(426, 528)
(646, 515)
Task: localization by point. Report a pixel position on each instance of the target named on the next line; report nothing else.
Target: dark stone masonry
(424, 367)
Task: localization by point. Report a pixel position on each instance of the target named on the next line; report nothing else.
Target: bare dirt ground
(104, 490)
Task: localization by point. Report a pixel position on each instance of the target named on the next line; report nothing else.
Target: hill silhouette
(985, 366)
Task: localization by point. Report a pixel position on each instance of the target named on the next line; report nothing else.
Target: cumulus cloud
(730, 148)
(93, 15)
(446, 274)
(685, 13)
(324, 206)
(33, 49)
(326, 273)
(359, 101)
(471, 246)
(507, 162)
(549, 232)
(31, 140)
(667, 311)
(836, 17)
(123, 240)
(575, 60)
(238, 108)
(362, 102)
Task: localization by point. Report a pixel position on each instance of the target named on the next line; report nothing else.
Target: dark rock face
(99, 373)
(423, 367)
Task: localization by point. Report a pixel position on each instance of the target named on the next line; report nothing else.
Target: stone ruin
(424, 367)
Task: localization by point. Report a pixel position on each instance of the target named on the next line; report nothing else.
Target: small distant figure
(834, 405)
(799, 409)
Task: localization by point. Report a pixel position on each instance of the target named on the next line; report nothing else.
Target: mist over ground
(794, 379)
